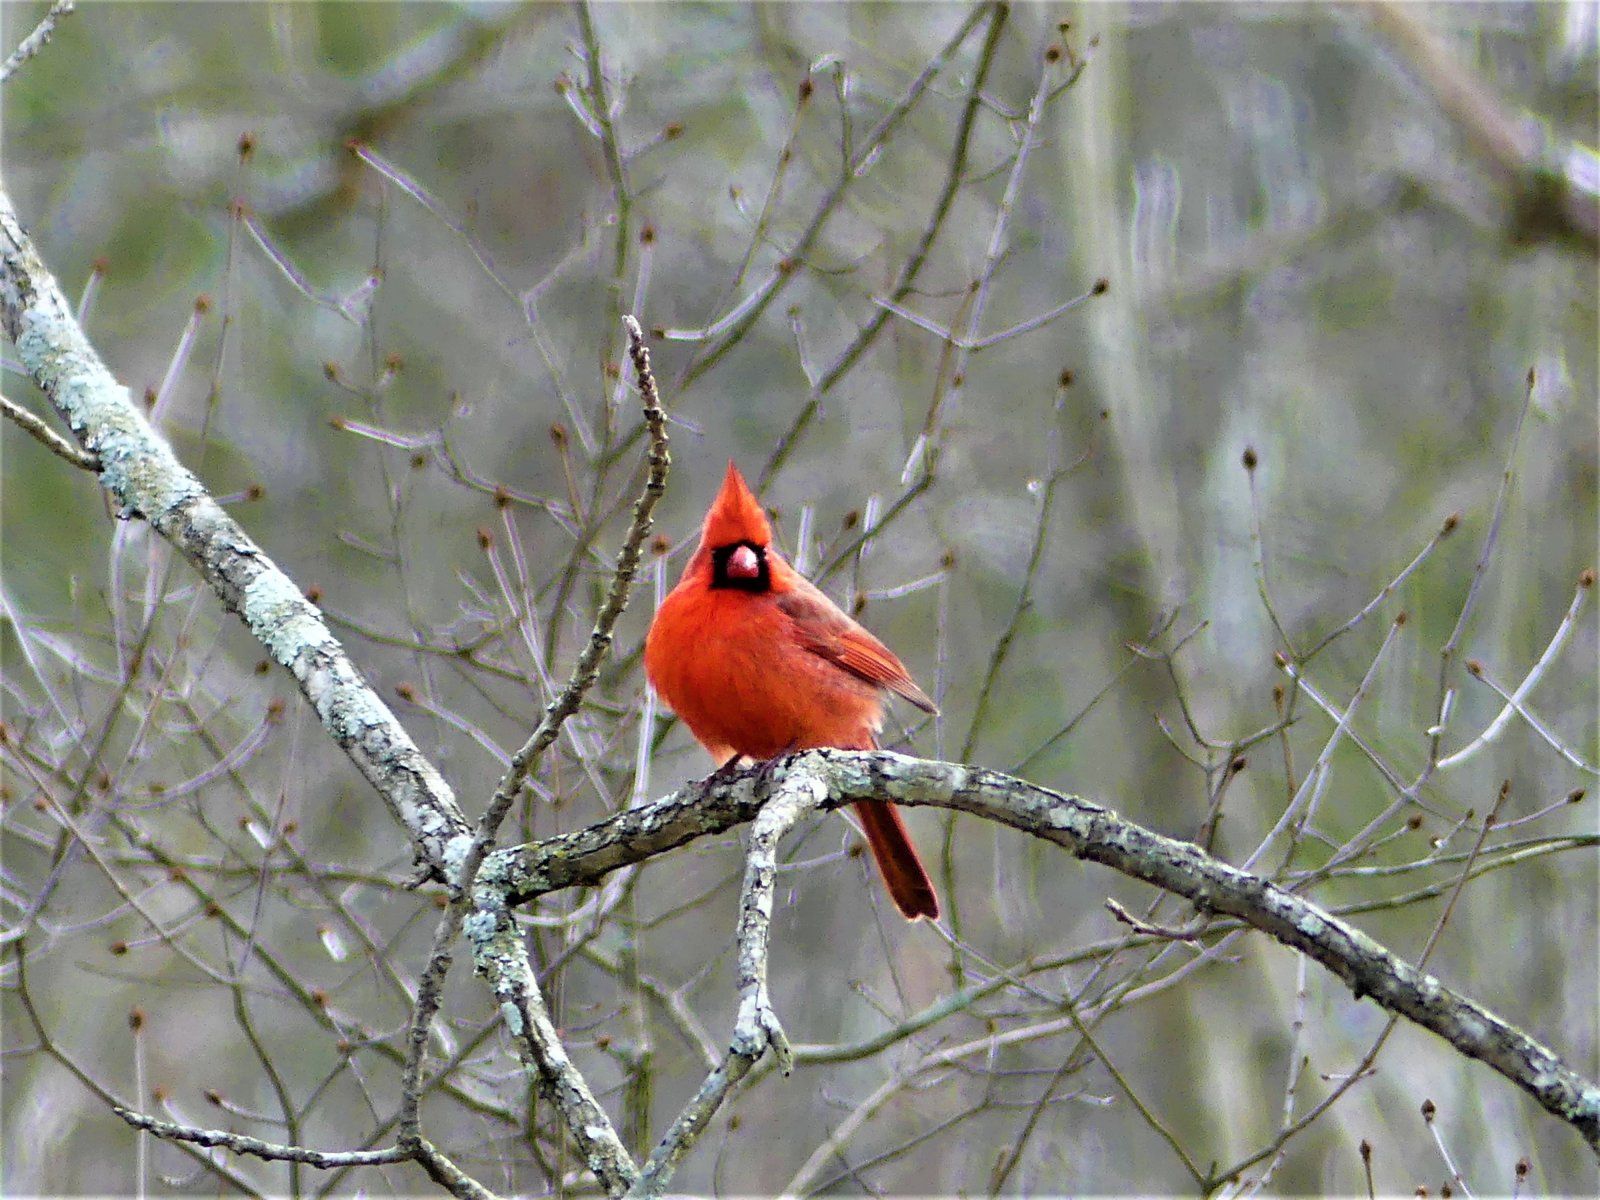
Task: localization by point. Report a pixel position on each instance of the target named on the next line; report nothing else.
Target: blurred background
(366, 265)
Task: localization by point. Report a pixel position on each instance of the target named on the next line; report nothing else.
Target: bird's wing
(826, 631)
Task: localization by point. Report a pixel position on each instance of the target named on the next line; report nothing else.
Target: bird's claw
(764, 774)
(727, 772)
(767, 769)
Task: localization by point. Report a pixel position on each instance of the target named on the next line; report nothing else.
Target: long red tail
(902, 871)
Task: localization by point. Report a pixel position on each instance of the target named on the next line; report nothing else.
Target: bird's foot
(767, 769)
(728, 771)
(735, 767)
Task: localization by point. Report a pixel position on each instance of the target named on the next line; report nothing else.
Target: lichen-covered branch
(757, 1025)
(145, 479)
(502, 958)
(241, 1143)
(37, 40)
(1091, 832)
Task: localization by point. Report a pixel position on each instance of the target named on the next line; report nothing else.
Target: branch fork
(796, 793)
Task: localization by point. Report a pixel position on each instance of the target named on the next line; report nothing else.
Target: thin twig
(1429, 1111)
(1514, 703)
(1444, 531)
(241, 1144)
(1138, 925)
(972, 342)
(587, 668)
(1529, 681)
(1447, 652)
(1150, 1118)
(866, 152)
(47, 437)
(1298, 1062)
(1258, 553)
(1002, 648)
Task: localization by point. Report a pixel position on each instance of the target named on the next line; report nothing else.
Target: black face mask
(721, 560)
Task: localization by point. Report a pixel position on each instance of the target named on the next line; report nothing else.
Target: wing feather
(829, 633)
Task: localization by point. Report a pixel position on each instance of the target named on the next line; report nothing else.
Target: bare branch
(1090, 832)
(145, 479)
(35, 41)
(757, 1025)
(587, 668)
(1551, 182)
(242, 1144)
(1145, 927)
(47, 437)
(1529, 681)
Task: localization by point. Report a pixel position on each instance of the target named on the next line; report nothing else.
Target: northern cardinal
(758, 663)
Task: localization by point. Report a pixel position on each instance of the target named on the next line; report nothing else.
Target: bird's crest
(736, 515)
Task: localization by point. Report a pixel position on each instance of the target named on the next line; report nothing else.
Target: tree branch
(145, 479)
(1088, 831)
(756, 1026)
(47, 437)
(1551, 181)
(37, 40)
(241, 1143)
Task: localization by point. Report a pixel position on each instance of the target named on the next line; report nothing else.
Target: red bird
(758, 662)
